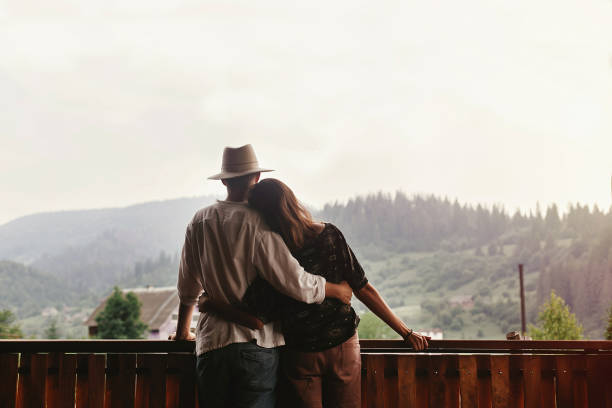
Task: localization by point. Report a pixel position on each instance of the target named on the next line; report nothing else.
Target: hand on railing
(417, 340)
(190, 337)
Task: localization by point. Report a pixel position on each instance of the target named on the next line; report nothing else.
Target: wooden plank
(437, 382)
(390, 386)
(483, 363)
(53, 379)
(183, 367)
(517, 384)
(151, 380)
(596, 381)
(8, 379)
(468, 381)
(406, 382)
(607, 373)
(364, 381)
(548, 381)
(120, 380)
(96, 366)
(579, 388)
(451, 377)
(375, 372)
(32, 381)
(500, 381)
(532, 375)
(422, 380)
(67, 381)
(565, 380)
(82, 381)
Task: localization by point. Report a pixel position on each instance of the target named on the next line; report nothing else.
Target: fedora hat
(238, 161)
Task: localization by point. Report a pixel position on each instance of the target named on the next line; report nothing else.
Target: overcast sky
(124, 101)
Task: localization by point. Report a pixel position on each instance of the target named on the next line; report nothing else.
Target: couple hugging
(265, 275)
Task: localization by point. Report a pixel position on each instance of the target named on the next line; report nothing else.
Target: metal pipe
(523, 321)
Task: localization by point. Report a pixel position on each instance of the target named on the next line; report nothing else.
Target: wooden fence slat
(182, 381)
(8, 379)
(607, 373)
(82, 381)
(451, 377)
(120, 380)
(375, 372)
(364, 381)
(390, 386)
(483, 363)
(406, 382)
(67, 376)
(32, 381)
(517, 383)
(96, 365)
(500, 381)
(151, 381)
(580, 383)
(468, 381)
(547, 386)
(596, 381)
(423, 377)
(54, 360)
(565, 381)
(532, 375)
(437, 381)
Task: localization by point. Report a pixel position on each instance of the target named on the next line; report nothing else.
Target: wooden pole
(523, 322)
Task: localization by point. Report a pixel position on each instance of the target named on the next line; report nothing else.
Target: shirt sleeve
(189, 277)
(276, 265)
(353, 273)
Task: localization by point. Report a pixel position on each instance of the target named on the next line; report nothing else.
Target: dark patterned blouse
(313, 327)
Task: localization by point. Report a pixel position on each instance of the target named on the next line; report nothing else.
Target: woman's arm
(372, 299)
(229, 313)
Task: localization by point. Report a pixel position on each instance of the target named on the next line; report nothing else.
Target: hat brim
(229, 175)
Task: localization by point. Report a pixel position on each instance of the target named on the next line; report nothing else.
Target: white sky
(124, 101)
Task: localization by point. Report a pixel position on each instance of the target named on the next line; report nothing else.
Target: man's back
(225, 246)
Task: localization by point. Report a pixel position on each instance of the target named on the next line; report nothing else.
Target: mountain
(439, 263)
(92, 249)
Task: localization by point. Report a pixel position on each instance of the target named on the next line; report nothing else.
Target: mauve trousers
(323, 379)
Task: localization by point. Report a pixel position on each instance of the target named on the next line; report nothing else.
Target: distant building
(435, 334)
(158, 310)
(463, 301)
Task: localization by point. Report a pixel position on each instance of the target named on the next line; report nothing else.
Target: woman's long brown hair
(282, 211)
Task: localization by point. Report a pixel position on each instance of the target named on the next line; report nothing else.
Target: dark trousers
(240, 375)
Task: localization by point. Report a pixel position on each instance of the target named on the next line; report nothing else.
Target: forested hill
(420, 251)
(571, 254)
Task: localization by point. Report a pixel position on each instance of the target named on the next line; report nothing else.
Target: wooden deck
(452, 373)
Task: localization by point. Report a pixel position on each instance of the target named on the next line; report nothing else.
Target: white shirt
(226, 246)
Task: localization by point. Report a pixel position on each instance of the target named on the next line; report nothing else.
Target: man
(226, 246)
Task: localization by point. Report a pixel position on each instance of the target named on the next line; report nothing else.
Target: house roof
(157, 304)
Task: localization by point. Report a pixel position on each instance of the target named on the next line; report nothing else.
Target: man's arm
(276, 265)
(189, 289)
(183, 325)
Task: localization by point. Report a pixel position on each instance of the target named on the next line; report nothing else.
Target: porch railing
(452, 373)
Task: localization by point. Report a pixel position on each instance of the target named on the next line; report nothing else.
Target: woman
(321, 363)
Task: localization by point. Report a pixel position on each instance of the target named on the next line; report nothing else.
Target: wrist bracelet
(409, 334)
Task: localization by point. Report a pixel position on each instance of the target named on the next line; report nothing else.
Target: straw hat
(238, 161)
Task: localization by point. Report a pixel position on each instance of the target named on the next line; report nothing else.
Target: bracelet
(409, 334)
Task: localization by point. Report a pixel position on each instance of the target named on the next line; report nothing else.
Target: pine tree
(9, 330)
(52, 331)
(120, 318)
(608, 334)
(558, 323)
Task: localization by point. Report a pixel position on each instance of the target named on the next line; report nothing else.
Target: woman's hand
(417, 340)
(228, 312)
(204, 303)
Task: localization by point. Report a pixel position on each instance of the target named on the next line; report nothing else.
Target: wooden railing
(452, 373)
